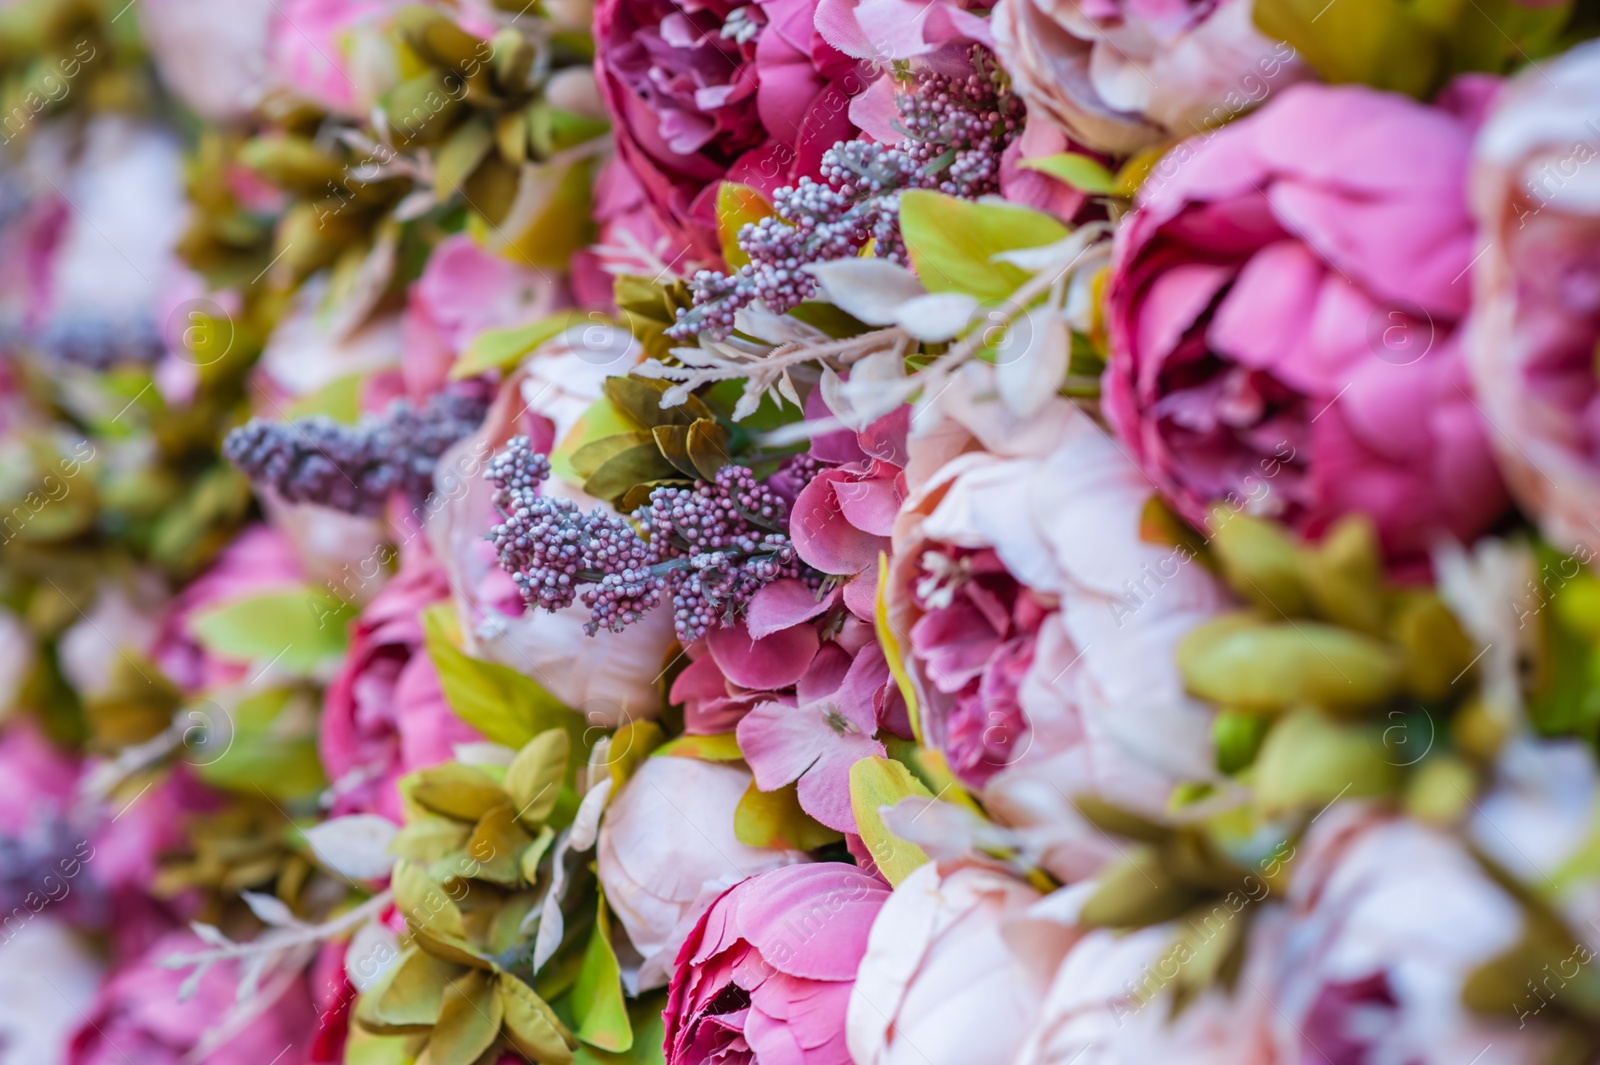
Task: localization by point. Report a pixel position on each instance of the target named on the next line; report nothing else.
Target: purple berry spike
(355, 468)
(707, 548)
(956, 129)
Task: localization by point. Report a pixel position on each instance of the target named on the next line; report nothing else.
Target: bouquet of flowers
(800, 532)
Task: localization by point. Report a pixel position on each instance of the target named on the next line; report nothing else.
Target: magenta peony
(702, 92)
(1282, 317)
(765, 977)
(385, 715)
(1536, 313)
(1118, 75)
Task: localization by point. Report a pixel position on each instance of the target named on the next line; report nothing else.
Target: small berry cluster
(956, 129)
(708, 548)
(101, 344)
(356, 468)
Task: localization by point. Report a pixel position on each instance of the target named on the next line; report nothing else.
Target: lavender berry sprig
(707, 549)
(956, 129)
(355, 468)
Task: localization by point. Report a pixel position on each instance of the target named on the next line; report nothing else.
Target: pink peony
(1040, 626)
(1536, 313)
(1118, 75)
(332, 52)
(842, 518)
(213, 58)
(765, 977)
(1282, 316)
(259, 561)
(703, 92)
(384, 714)
(462, 292)
(667, 849)
(956, 967)
(137, 1016)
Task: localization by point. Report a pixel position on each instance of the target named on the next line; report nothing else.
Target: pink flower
(331, 52)
(1040, 627)
(887, 30)
(830, 725)
(842, 518)
(260, 560)
(213, 58)
(630, 240)
(1118, 75)
(702, 92)
(1536, 291)
(765, 976)
(667, 849)
(1282, 317)
(955, 970)
(137, 1016)
(462, 292)
(384, 714)
(36, 779)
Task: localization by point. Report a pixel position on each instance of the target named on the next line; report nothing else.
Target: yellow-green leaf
(463, 792)
(339, 399)
(496, 846)
(504, 705)
(535, 775)
(429, 838)
(874, 784)
(722, 747)
(630, 745)
(601, 420)
(423, 902)
(411, 994)
(532, 1026)
(953, 242)
(891, 649)
(1082, 172)
(597, 1002)
(775, 819)
(469, 1020)
(1308, 760)
(461, 154)
(501, 349)
(736, 205)
(296, 629)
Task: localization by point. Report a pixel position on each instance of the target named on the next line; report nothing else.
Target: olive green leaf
(535, 776)
(630, 745)
(408, 996)
(1308, 760)
(1083, 172)
(721, 747)
(463, 792)
(1249, 665)
(423, 902)
(501, 349)
(497, 844)
(469, 1020)
(429, 838)
(531, 1026)
(297, 630)
(775, 819)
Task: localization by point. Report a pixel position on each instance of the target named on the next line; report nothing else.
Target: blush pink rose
(332, 52)
(137, 1016)
(1283, 314)
(1536, 293)
(259, 561)
(385, 715)
(700, 92)
(765, 977)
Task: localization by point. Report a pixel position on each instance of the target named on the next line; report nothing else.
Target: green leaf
(775, 819)
(532, 1026)
(410, 994)
(423, 903)
(736, 205)
(1308, 760)
(1249, 665)
(501, 349)
(461, 154)
(339, 399)
(1082, 172)
(587, 459)
(1376, 42)
(496, 845)
(463, 792)
(272, 746)
(535, 775)
(640, 399)
(874, 784)
(369, 1048)
(502, 704)
(469, 1020)
(429, 838)
(723, 747)
(296, 630)
(630, 745)
(953, 242)
(649, 1035)
(600, 421)
(597, 1001)
(628, 469)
